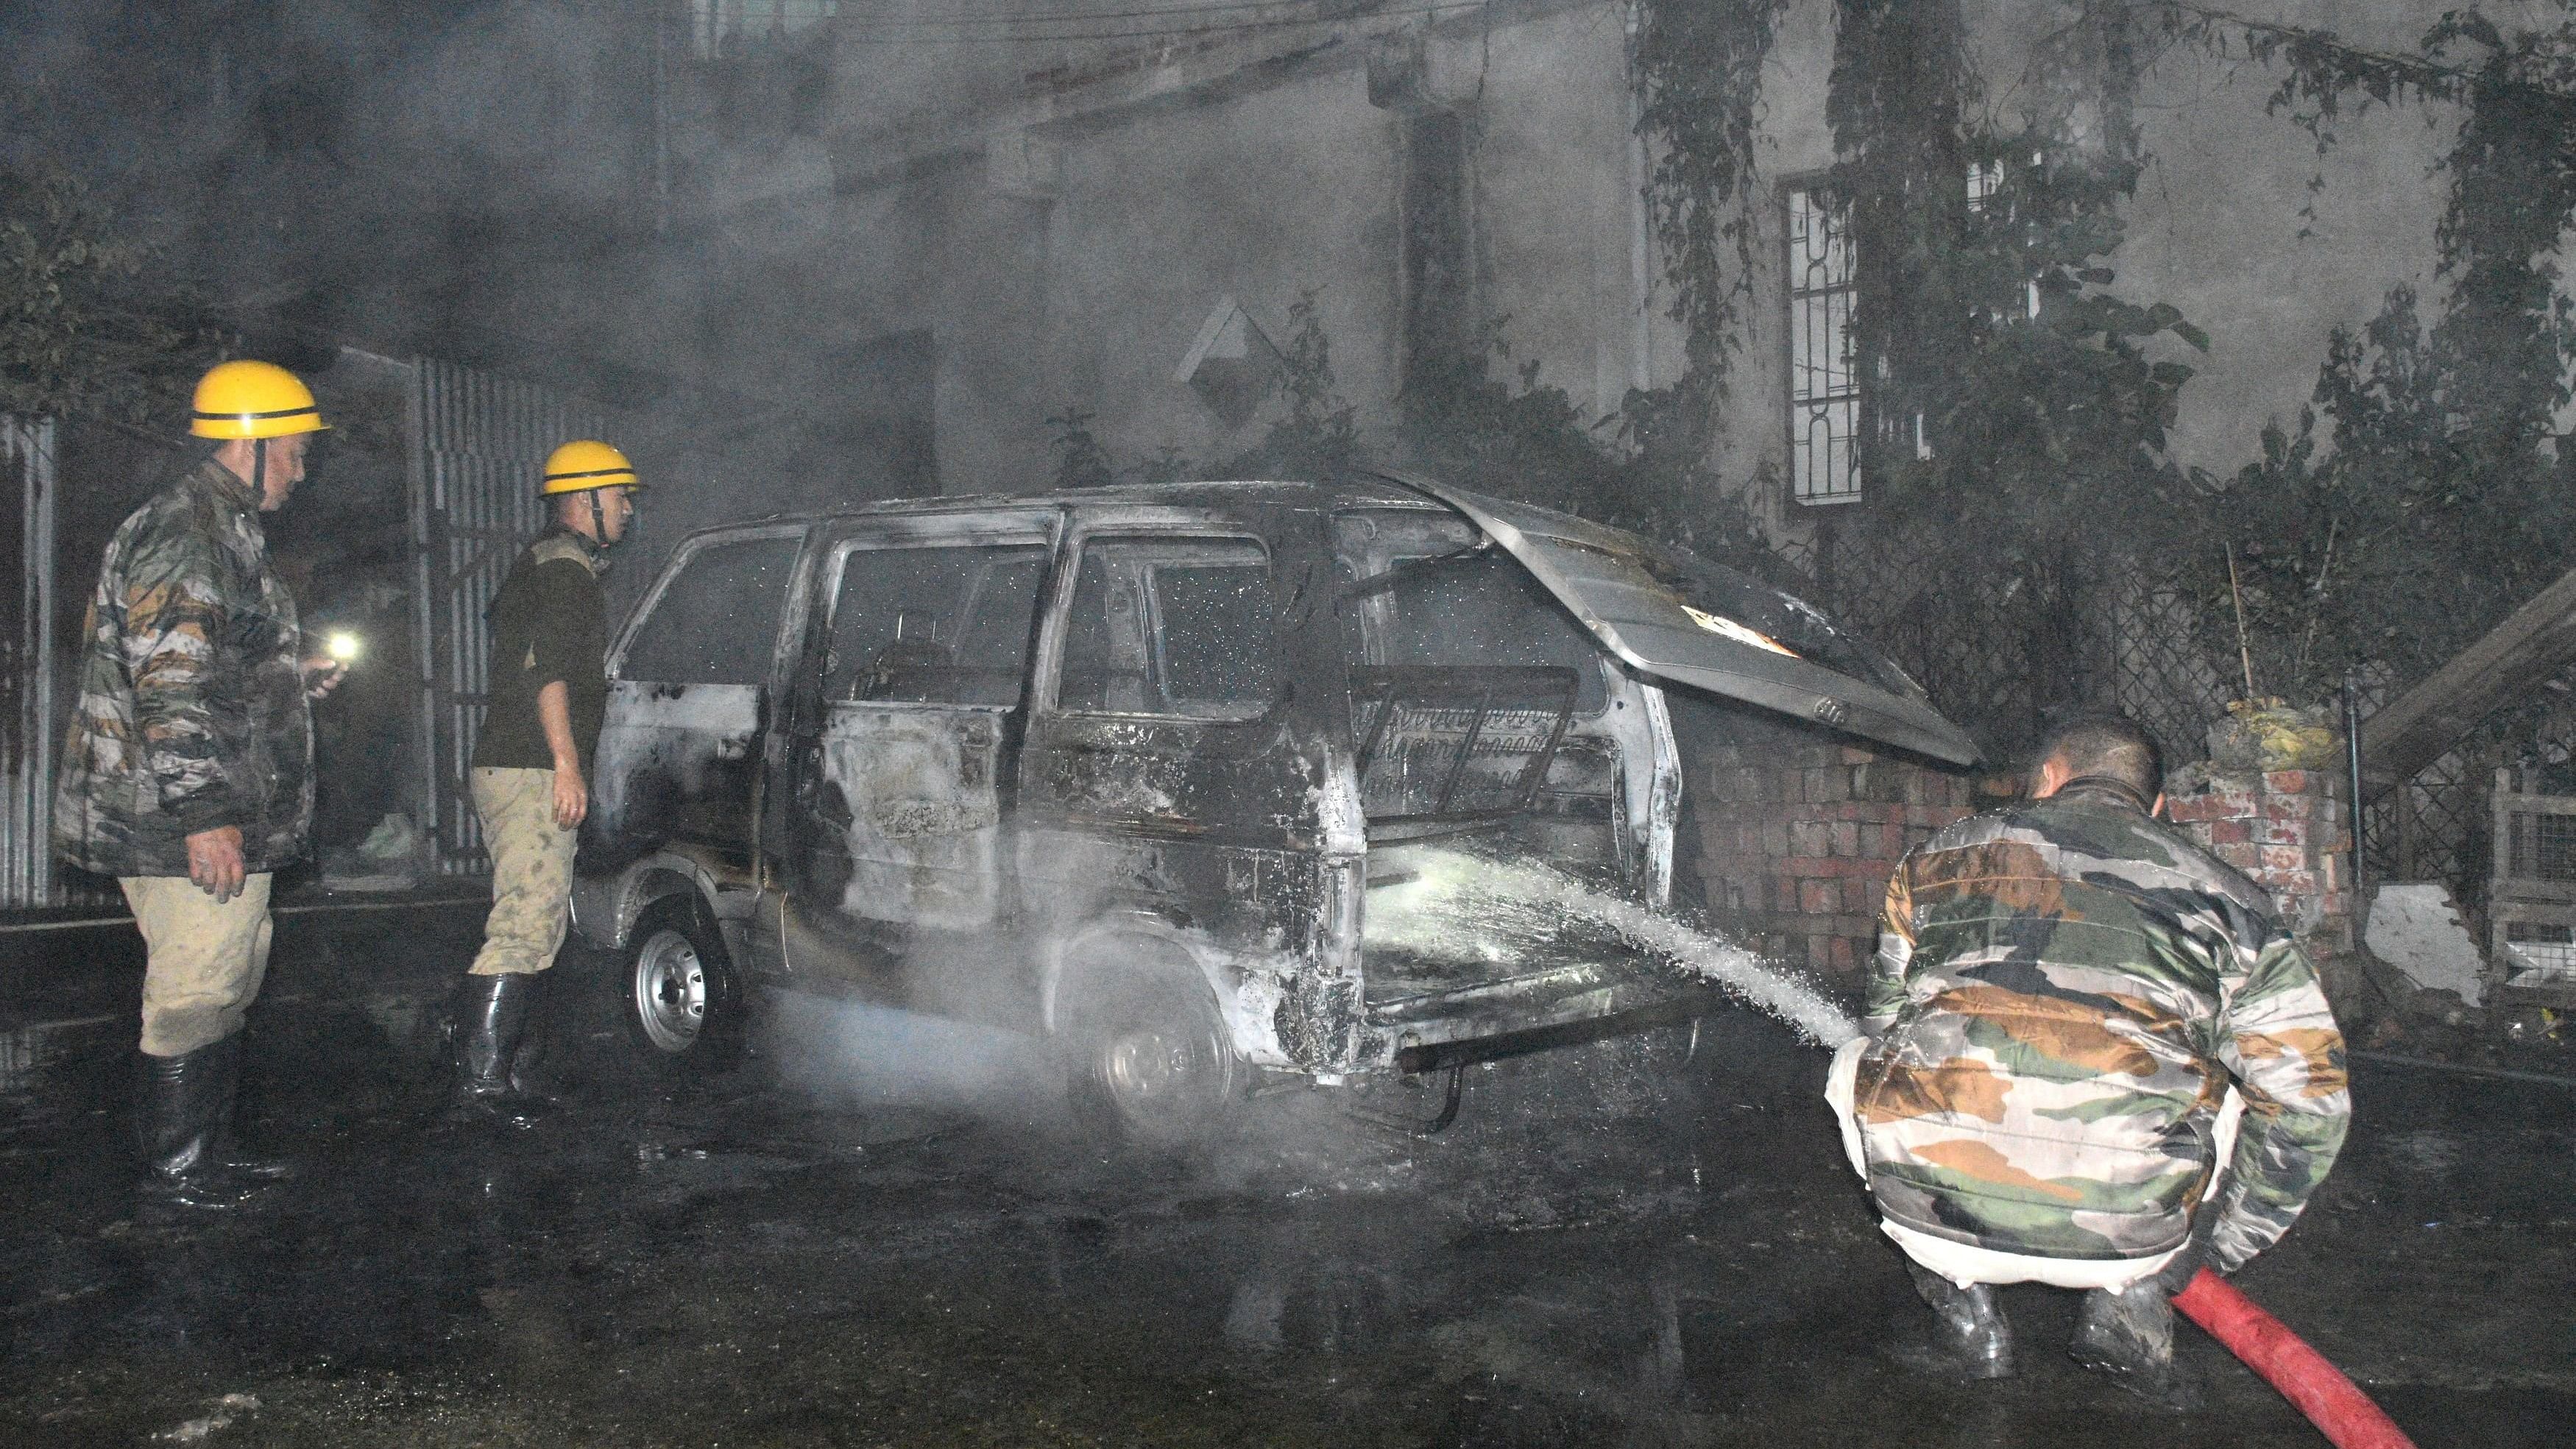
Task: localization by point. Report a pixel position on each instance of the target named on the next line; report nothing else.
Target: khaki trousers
(531, 871)
(203, 962)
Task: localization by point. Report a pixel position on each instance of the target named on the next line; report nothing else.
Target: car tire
(1147, 1059)
(681, 1001)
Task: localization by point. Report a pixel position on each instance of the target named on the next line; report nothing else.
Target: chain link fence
(1984, 644)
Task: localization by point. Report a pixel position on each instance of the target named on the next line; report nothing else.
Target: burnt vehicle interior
(1103, 736)
(1478, 706)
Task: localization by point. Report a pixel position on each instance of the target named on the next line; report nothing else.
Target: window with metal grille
(2542, 846)
(1824, 386)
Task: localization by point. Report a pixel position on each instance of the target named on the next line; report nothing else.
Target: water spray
(1467, 902)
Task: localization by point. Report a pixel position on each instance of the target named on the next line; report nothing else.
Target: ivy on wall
(2426, 492)
(1697, 72)
(2018, 395)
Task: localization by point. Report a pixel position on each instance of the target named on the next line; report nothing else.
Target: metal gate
(478, 446)
(27, 473)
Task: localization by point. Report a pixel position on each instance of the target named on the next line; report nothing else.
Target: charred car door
(688, 697)
(1162, 776)
(906, 717)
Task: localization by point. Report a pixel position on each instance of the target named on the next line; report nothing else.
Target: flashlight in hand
(343, 647)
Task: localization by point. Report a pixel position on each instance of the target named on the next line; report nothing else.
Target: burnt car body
(1121, 768)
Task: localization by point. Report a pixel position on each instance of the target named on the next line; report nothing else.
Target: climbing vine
(2018, 395)
(2425, 494)
(1696, 66)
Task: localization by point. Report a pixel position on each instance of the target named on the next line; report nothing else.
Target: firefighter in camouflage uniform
(532, 765)
(2082, 1030)
(188, 770)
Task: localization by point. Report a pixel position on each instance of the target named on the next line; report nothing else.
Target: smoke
(1466, 906)
(850, 1053)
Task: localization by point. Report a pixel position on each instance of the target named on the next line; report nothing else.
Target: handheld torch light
(344, 647)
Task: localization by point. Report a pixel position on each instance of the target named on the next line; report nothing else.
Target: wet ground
(1641, 1243)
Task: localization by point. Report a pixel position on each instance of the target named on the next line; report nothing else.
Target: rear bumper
(1537, 1011)
(1465, 1051)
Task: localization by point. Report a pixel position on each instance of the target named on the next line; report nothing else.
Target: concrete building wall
(1260, 197)
(1166, 183)
(1558, 207)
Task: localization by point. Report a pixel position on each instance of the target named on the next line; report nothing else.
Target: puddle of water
(1466, 905)
(2424, 1152)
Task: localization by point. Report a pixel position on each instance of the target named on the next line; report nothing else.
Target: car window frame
(824, 593)
(1050, 688)
(830, 554)
(1595, 678)
(786, 624)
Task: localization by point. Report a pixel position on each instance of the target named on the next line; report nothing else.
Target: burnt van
(1120, 769)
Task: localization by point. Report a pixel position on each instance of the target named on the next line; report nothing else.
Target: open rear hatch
(1682, 618)
(1482, 751)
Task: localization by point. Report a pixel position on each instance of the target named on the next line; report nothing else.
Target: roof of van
(1202, 493)
(1663, 610)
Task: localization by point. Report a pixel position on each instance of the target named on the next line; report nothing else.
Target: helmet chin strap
(258, 472)
(598, 521)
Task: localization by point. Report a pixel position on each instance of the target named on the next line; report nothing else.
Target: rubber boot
(1970, 1336)
(2128, 1334)
(491, 1018)
(228, 1152)
(176, 1127)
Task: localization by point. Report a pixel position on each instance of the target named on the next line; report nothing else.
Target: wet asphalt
(1649, 1242)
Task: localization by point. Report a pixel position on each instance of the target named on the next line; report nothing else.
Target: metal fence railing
(27, 667)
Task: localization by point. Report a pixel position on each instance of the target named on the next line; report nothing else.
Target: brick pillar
(2287, 829)
(1796, 845)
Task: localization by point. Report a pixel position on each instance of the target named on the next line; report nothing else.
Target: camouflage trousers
(531, 870)
(1966, 1263)
(203, 962)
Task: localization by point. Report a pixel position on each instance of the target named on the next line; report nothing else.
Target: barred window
(1824, 387)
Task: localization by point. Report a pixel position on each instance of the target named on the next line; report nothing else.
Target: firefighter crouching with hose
(187, 773)
(531, 769)
(2079, 1024)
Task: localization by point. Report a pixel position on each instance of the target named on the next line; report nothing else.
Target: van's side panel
(1206, 833)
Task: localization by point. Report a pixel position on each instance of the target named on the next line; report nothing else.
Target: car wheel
(683, 1010)
(1148, 1060)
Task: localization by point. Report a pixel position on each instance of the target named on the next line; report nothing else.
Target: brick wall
(1796, 846)
(2289, 830)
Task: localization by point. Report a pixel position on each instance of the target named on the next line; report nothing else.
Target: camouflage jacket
(192, 713)
(2063, 990)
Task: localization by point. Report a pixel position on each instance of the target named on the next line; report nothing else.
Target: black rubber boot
(177, 1124)
(2129, 1335)
(491, 1018)
(228, 1152)
(1970, 1336)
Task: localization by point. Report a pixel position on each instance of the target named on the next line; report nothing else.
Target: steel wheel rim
(1162, 1070)
(670, 991)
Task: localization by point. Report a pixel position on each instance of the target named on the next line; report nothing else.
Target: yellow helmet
(246, 399)
(586, 463)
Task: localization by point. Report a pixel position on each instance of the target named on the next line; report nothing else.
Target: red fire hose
(2340, 1410)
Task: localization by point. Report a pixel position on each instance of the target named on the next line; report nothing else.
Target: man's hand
(322, 674)
(215, 862)
(572, 797)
